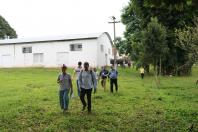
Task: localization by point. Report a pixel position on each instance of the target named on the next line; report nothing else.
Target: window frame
(76, 47)
(25, 51)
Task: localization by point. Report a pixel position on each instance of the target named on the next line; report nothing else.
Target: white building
(55, 51)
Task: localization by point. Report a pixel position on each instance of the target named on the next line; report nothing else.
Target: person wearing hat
(65, 86)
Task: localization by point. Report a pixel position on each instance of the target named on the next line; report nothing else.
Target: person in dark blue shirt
(104, 73)
(113, 75)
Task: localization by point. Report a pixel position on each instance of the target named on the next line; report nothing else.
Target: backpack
(91, 72)
(104, 74)
(113, 74)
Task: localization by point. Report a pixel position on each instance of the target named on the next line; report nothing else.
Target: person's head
(79, 63)
(112, 67)
(94, 69)
(86, 66)
(64, 68)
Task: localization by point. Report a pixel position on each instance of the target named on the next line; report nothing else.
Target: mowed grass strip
(29, 102)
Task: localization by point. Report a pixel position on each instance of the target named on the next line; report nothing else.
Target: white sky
(35, 18)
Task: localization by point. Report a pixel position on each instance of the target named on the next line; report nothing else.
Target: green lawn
(29, 102)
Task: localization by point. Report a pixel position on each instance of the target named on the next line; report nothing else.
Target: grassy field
(29, 102)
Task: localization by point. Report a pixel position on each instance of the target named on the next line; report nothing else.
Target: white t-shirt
(77, 71)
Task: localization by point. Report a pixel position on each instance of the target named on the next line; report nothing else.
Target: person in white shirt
(76, 73)
(96, 74)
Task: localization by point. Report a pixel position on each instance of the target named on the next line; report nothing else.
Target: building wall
(53, 54)
(51, 51)
(6, 55)
(103, 57)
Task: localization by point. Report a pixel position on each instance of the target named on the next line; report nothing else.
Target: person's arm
(58, 79)
(80, 80)
(108, 73)
(71, 85)
(94, 81)
(100, 73)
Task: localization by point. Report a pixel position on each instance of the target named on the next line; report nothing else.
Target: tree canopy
(171, 15)
(187, 39)
(6, 30)
(155, 47)
(120, 45)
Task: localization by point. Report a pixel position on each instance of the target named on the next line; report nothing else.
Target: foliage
(171, 4)
(187, 39)
(171, 14)
(120, 45)
(29, 102)
(154, 41)
(6, 30)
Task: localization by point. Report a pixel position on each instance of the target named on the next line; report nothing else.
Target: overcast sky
(36, 18)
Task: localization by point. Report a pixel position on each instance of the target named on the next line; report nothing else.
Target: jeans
(113, 81)
(82, 98)
(78, 88)
(64, 99)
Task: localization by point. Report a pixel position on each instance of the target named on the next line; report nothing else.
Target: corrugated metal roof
(54, 38)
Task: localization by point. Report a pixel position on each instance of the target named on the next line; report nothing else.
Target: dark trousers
(142, 75)
(113, 81)
(78, 89)
(82, 97)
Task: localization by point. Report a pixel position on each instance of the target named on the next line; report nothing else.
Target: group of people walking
(86, 81)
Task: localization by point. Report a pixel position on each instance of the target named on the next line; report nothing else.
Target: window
(102, 48)
(80, 46)
(38, 58)
(75, 47)
(27, 49)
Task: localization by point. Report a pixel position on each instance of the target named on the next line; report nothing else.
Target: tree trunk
(157, 81)
(160, 71)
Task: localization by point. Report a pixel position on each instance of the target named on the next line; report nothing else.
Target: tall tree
(120, 45)
(6, 30)
(187, 40)
(172, 14)
(154, 41)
